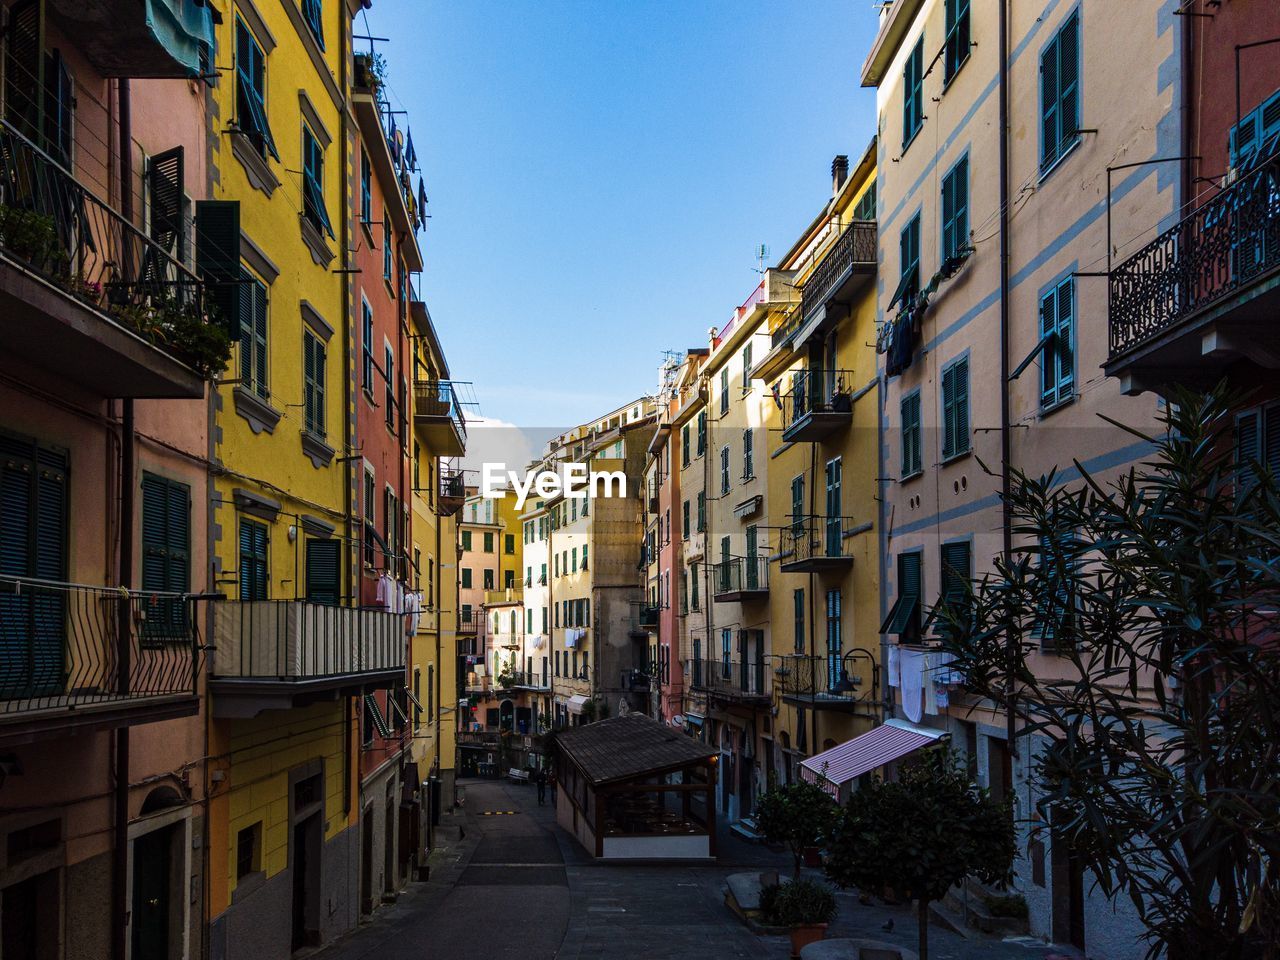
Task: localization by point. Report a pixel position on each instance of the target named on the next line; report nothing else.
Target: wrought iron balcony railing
(825, 681)
(531, 681)
(817, 402)
(1229, 243)
(300, 642)
(733, 679)
(437, 409)
(740, 578)
(854, 252)
(61, 650)
(813, 543)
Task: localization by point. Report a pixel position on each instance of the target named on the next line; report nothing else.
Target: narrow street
(514, 885)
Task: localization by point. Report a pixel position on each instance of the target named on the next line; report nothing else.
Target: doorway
(389, 845)
(151, 936)
(1068, 891)
(999, 768)
(29, 917)
(306, 881)
(366, 859)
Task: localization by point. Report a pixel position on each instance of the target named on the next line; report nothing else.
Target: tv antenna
(762, 254)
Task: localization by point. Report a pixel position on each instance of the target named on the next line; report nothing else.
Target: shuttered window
(1257, 444)
(313, 182)
(797, 603)
(251, 105)
(218, 259)
(724, 470)
(702, 432)
(1060, 92)
(913, 93)
(164, 202)
(166, 554)
(366, 339)
(904, 617)
(835, 638)
(909, 261)
(324, 571)
(748, 455)
(1058, 361)
(797, 503)
(24, 67)
(253, 335)
(955, 408)
(956, 566)
(955, 210)
(702, 511)
(254, 573)
(311, 11)
(956, 46)
(366, 188)
(34, 531)
(59, 107)
(313, 379)
(911, 446)
(1257, 135)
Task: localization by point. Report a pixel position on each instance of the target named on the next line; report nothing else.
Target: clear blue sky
(600, 173)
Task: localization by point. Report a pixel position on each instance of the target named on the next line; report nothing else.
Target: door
(152, 882)
(366, 851)
(753, 570)
(835, 639)
(306, 881)
(30, 917)
(389, 845)
(834, 527)
(1068, 892)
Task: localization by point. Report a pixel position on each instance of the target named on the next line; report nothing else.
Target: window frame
(952, 406)
(1065, 143)
(913, 94)
(911, 433)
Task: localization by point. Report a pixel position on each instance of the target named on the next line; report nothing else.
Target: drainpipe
(1006, 485)
(120, 790)
(348, 440)
(1186, 50)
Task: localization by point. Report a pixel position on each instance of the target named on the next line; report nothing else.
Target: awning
(835, 768)
(748, 507)
(375, 715)
(575, 703)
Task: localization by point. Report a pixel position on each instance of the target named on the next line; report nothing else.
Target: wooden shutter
(260, 338)
(1048, 359)
(1049, 104)
(1064, 340)
(324, 571)
(1068, 80)
(218, 259)
(59, 99)
(948, 411)
(960, 406)
(164, 184)
(956, 570)
(50, 535)
(24, 68)
(960, 203)
(1270, 452)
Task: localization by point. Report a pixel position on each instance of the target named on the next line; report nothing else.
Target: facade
(993, 233)
(823, 450)
(103, 441)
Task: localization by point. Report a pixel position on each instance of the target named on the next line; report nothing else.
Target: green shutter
(960, 410)
(24, 67)
(1049, 104)
(1068, 81)
(218, 259)
(904, 617)
(324, 571)
(1247, 446)
(956, 570)
(1048, 363)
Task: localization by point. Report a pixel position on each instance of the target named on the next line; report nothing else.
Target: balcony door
(753, 570)
(834, 532)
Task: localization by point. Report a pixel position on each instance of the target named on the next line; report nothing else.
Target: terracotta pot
(804, 935)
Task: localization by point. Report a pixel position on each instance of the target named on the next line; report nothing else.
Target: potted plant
(805, 906)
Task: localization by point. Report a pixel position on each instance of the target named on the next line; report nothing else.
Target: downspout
(1186, 50)
(1006, 483)
(120, 792)
(813, 608)
(348, 439)
(437, 595)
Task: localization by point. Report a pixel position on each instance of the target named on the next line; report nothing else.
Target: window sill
(1055, 407)
(320, 251)
(906, 144)
(261, 416)
(956, 457)
(256, 167)
(907, 478)
(1046, 172)
(319, 452)
(947, 81)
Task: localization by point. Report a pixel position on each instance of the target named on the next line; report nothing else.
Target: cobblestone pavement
(508, 883)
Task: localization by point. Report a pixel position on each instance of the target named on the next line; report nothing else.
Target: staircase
(964, 910)
(746, 829)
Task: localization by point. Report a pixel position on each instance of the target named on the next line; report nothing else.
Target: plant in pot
(806, 906)
(800, 815)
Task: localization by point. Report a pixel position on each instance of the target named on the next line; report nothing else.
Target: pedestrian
(540, 778)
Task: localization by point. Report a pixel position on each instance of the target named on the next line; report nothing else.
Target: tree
(800, 815)
(1153, 734)
(921, 834)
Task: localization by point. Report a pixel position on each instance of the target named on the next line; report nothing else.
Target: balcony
(816, 544)
(1204, 293)
(478, 683)
(845, 268)
(535, 682)
(828, 683)
(160, 38)
(453, 491)
(275, 654)
(87, 296)
(60, 657)
(748, 683)
(635, 681)
(510, 595)
(816, 405)
(741, 579)
(437, 414)
(644, 617)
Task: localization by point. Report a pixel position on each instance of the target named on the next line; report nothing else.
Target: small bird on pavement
(887, 926)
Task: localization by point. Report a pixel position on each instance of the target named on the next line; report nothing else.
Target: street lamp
(847, 684)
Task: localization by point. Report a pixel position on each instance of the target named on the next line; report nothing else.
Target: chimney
(839, 173)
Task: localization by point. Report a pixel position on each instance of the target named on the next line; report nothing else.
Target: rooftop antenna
(762, 254)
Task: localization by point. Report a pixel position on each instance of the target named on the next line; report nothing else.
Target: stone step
(943, 916)
(978, 913)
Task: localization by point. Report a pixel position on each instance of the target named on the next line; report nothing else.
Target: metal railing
(856, 247)
(531, 681)
(57, 228)
(819, 678)
(453, 484)
(816, 391)
(60, 646)
(734, 679)
(297, 640)
(439, 398)
(1229, 242)
(741, 575)
(816, 538)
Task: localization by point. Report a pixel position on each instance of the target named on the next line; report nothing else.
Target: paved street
(508, 883)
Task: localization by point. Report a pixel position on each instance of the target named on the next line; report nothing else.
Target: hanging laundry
(927, 674)
(410, 155)
(912, 667)
(422, 204)
(895, 672)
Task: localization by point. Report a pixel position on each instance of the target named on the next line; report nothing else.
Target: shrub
(1009, 905)
(797, 903)
(800, 815)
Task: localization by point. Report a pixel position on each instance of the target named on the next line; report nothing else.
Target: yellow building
(823, 451)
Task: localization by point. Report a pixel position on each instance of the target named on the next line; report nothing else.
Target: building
(1011, 165)
(103, 445)
(822, 431)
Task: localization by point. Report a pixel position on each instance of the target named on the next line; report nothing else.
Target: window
(254, 576)
(835, 639)
(1255, 129)
(955, 408)
(693, 579)
(366, 326)
(366, 188)
(311, 11)
(466, 607)
(1055, 606)
(955, 209)
(388, 257)
(797, 601)
(313, 360)
(956, 564)
(684, 521)
(834, 523)
(324, 571)
(911, 446)
(748, 458)
(956, 46)
(466, 578)
(508, 579)
(253, 335)
(488, 542)
(544, 619)
(684, 445)
(488, 579)
(389, 394)
(555, 564)
(724, 470)
(913, 94)
(251, 107)
(557, 663)
(746, 369)
(584, 556)
(865, 208)
(726, 654)
(573, 560)
(702, 510)
(59, 105)
(724, 390)
(909, 258)
(166, 553)
(1057, 331)
(1060, 93)
(702, 432)
(248, 851)
(509, 543)
(904, 616)
(313, 182)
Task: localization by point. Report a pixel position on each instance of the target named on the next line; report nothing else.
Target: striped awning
(835, 768)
